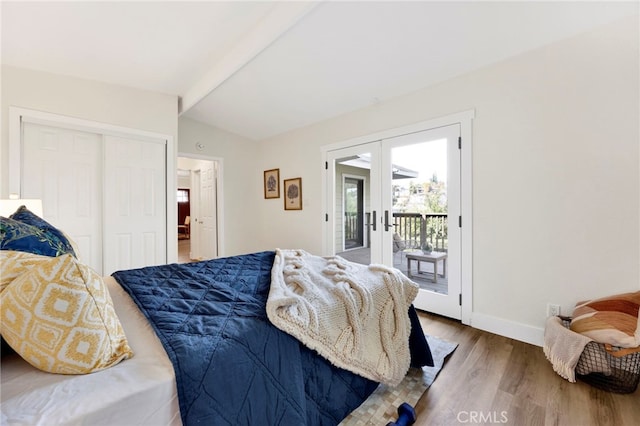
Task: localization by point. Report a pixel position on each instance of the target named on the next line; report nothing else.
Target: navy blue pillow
(25, 231)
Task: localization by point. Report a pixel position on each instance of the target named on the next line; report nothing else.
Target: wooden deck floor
(424, 280)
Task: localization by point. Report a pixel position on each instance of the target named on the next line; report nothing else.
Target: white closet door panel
(122, 254)
(63, 168)
(135, 204)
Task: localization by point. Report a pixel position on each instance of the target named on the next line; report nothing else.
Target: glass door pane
(353, 221)
(354, 181)
(423, 208)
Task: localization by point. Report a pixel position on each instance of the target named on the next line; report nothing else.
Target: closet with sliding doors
(106, 190)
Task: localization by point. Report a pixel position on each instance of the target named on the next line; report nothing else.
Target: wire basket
(607, 367)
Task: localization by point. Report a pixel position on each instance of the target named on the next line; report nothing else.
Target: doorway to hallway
(199, 178)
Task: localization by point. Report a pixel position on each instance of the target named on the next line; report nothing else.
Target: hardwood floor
(491, 379)
(424, 279)
(184, 246)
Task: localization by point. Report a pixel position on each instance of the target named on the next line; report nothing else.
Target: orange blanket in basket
(610, 320)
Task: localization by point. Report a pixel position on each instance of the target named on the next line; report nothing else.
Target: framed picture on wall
(293, 194)
(272, 183)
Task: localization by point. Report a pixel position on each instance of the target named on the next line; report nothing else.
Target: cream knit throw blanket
(563, 348)
(353, 315)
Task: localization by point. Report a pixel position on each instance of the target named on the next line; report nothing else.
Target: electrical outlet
(553, 310)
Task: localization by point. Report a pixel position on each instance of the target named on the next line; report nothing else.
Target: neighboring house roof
(364, 162)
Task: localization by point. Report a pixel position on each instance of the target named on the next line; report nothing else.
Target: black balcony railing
(351, 226)
(422, 230)
(414, 229)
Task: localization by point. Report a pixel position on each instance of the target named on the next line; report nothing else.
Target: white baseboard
(513, 330)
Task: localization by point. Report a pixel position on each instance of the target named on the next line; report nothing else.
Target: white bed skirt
(138, 391)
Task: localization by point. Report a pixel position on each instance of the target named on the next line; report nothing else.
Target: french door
(353, 163)
(411, 210)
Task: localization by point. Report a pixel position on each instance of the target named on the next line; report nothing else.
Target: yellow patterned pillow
(59, 317)
(15, 263)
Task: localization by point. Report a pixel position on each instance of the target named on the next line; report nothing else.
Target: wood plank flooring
(184, 246)
(424, 279)
(491, 379)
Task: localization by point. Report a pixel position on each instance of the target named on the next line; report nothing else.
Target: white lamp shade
(8, 207)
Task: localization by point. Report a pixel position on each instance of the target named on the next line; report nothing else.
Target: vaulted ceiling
(262, 68)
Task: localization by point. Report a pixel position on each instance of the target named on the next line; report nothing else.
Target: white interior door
(207, 219)
(135, 204)
(416, 175)
(195, 215)
(63, 168)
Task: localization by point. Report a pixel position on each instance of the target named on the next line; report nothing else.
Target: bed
(203, 352)
(140, 390)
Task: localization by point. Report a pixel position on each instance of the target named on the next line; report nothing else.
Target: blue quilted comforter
(233, 367)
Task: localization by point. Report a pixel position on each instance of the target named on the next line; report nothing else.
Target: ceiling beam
(281, 18)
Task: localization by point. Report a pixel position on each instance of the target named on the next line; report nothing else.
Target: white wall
(189, 164)
(556, 175)
(184, 182)
(242, 190)
(556, 167)
(85, 99)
